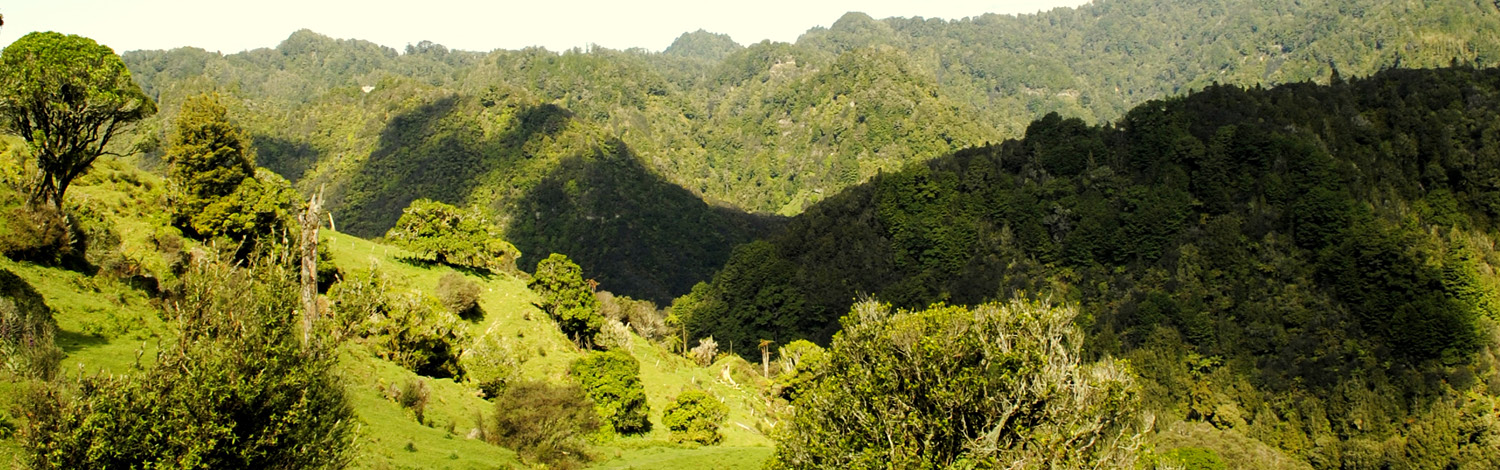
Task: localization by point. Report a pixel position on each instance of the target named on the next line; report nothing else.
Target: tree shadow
(482, 273)
(72, 341)
(288, 158)
(627, 227)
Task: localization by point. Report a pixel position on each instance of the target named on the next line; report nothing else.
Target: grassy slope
(546, 353)
(104, 323)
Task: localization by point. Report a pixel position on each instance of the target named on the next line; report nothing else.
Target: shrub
(217, 190)
(39, 235)
(799, 363)
(614, 335)
(902, 390)
(694, 417)
(612, 380)
(236, 389)
(413, 396)
(544, 422)
(706, 351)
(460, 296)
(26, 330)
(411, 329)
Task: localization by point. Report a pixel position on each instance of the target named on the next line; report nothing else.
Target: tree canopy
(217, 191)
(567, 297)
(68, 96)
(1003, 384)
(451, 235)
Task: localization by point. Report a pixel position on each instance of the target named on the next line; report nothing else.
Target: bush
(39, 235)
(694, 417)
(614, 335)
(411, 329)
(413, 396)
(567, 298)
(26, 330)
(903, 390)
(237, 389)
(460, 296)
(706, 351)
(612, 380)
(799, 363)
(544, 422)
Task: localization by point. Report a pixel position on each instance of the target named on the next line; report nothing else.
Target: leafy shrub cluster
(407, 327)
(235, 388)
(695, 417)
(544, 423)
(39, 234)
(798, 364)
(611, 379)
(460, 295)
(1000, 384)
(642, 316)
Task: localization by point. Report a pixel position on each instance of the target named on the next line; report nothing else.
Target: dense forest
(1308, 265)
(1133, 234)
(766, 128)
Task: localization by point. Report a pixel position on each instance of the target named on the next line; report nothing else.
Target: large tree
(452, 235)
(208, 156)
(567, 297)
(68, 96)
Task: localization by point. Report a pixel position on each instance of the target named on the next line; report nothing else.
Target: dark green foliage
(1306, 269)
(207, 157)
(26, 331)
(235, 389)
(38, 234)
(694, 416)
(460, 295)
(611, 379)
(216, 190)
(949, 386)
(67, 96)
(452, 236)
(407, 327)
(567, 298)
(800, 362)
(544, 422)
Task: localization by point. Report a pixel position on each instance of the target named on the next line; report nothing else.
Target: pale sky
(230, 27)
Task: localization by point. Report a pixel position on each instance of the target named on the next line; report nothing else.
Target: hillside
(1308, 267)
(768, 128)
(112, 318)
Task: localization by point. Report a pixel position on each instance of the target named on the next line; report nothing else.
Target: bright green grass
(510, 317)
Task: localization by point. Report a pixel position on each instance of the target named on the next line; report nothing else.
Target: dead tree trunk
(310, 221)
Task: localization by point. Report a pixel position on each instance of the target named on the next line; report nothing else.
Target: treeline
(1321, 254)
(765, 128)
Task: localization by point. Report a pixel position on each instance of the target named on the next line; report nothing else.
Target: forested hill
(1308, 265)
(766, 128)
